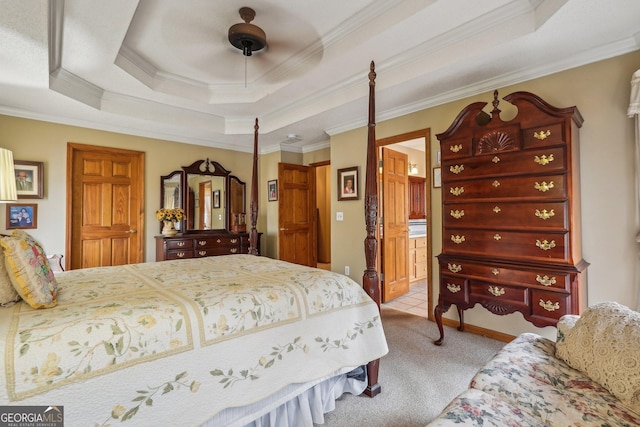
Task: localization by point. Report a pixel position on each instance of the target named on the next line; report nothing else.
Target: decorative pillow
(605, 345)
(29, 270)
(8, 294)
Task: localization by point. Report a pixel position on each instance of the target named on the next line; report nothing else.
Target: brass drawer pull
(546, 245)
(181, 244)
(453, 288)
(234, 240)
(542, 135)
(457, 239)
(218, 240)
(495, 271)
(545, 280)
(497, 237)
(204, 242)
(497, 209)
(543, 160)
(544, 187)
(495, 184)
(456, 169)
(180, 254)
(457, 191)
(202, 253)
(457, 214)
(455, 148)
(544, 214)
(496, 160)
(233, 250)
(454, 268)
(496, 291)
(549, 306)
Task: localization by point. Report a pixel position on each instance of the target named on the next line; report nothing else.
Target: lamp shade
(8, 191)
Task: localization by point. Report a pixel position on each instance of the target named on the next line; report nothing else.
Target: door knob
(133, 230)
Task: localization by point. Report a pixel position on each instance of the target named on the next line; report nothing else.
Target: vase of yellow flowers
(169, 217)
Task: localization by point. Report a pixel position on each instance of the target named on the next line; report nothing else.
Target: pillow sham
(29, 270)
(605, 345)
(8, 294)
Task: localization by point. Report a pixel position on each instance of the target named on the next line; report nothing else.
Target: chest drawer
(454, 289)
(523, 188)
(544, 161)
(179, 254)
(181, 244)
(549, 304)
(497, 273)
(456, 148)
(216, 250)
(512, 244)
(216, 241)
(531, 215)
(543, 135)
(511, 295)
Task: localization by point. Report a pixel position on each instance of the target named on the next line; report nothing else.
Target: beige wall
(46, 142)
(601, 92)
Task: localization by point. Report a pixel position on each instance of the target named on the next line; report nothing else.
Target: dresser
(417, 258)
(511, 212)
(194, 245)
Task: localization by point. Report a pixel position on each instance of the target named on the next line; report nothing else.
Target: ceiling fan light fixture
(246, 36)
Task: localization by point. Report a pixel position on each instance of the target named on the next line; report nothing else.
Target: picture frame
(437, 177)
(348, 183)
(29, 179)
(272, 190)
(216, 199)
(22, 215)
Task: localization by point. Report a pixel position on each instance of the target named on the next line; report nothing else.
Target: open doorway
(416, 146)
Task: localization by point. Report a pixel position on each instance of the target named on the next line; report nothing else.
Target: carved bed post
(370, 280)
(253, 206)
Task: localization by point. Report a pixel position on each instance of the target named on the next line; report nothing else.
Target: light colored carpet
(418, 379)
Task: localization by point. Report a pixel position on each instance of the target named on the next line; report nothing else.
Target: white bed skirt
(298, 405)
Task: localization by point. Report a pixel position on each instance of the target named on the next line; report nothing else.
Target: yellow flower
(50, 367)
(147, 320)
(118, 411)
(173, 215)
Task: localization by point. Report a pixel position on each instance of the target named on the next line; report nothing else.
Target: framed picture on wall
(437, 177)
(272, 190)
(216, 199)
(29, 179)
(22, 215)
(348, 184)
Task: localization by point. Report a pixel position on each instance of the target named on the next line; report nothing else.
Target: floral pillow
(605, 345)
(29, 270)
(8, 294)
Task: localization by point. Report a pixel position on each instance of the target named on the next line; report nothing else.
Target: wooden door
(105, 205)
(297, 214)
(395, 224)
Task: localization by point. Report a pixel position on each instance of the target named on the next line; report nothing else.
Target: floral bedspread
(526, 385)
(182, 340)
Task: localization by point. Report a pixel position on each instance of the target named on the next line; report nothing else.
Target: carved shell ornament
(496, 141)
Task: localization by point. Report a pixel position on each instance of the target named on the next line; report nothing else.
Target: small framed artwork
(216, 199)
(29, 179)
(437, 178)
(22, 215)
(348, 184)
(272, 188)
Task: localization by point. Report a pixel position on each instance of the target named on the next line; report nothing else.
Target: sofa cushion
(477, 408)
(527, 375)
(605, 345)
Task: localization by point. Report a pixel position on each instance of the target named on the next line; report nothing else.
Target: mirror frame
(207, 168)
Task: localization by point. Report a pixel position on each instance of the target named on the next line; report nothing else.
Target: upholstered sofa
(589, 377)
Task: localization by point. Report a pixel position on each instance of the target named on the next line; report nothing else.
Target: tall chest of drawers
(195, 245)
(511, 212)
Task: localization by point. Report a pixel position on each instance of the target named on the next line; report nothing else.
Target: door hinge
(382, 277)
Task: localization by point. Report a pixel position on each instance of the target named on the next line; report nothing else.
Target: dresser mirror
(208, 193)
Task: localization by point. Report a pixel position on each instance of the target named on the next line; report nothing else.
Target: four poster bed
(218, 341)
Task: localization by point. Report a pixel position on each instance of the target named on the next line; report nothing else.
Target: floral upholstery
(526, 384)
